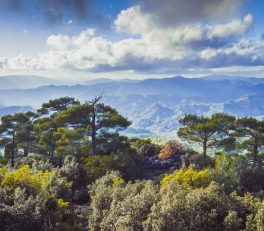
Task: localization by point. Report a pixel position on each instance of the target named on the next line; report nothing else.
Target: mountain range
(153, 105)
(25, 82)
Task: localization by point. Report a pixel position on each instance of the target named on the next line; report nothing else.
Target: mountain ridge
(155, 105)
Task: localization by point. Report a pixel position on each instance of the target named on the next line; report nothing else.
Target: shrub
(182, 209)
(251, 180)
(171, 148)
(97, 166)
(172, 207)
(122, 207)
(32, 200)
(188, 178)
(145, 148)
(198, 161)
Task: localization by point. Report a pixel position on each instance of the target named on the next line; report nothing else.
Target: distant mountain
(14, 109)
(156, 105)
(106, 80)
(178, 88)
(25, 82)
(252, 105)
(251, 80)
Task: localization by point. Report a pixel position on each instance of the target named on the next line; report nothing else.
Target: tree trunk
(205, 148)
(93, 134)
(13, 152)
(52, 148)
(26, 151)
(255, 156)
(13, 157)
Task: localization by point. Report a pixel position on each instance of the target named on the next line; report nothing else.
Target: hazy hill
(251, 80)
(178, 87)
(155, 105)
(25, 82)
(252, 105)
(14, 109)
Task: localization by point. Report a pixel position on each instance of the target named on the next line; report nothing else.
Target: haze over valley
(153, 105)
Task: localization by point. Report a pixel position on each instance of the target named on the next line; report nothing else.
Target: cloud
(235, 27)
(174, 12)
(242, 53)
(133, 21)
(63, 42)
(160, 54)
(150, 46)
(58, 42)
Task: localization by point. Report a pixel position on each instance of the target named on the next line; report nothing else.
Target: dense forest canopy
(66, 166)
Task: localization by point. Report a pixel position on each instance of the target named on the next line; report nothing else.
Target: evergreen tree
(251, 134)
(57, 105)
(49, 132)
(205, 131)
(10, 129)
(95, 118)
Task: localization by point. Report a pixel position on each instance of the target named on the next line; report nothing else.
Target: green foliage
(207, 132)
(47, 135)
(94, 118)
(251, 134)
(124, 161)
(57, 105)
(97, 166)
(74, 172)
(184, 209)
(198, 161)
(145, 206)
(227, 170)
(251, 210)
(70, 168)
(145, 147)
(12, 132)
(120, 207)
(234, 173)
(32, 200)
(251, 180)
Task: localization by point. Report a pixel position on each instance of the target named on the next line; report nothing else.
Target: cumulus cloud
(58, 42)
(89, 52)
(235, 27)
(191, 35)
(242, 53)
(63, 42)
(133, 21)
(155, 48)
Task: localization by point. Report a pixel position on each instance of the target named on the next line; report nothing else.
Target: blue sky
(131, 39)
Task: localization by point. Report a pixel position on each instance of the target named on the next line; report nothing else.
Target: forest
(69, 166)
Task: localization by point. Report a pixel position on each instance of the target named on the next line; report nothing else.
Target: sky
(87, 39)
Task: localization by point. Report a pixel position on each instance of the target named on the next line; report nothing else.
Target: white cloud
(63, 42)
(58, 42)
(155, 48)
(133, 21)
(84, 37)
(208, 53)
(234, 28)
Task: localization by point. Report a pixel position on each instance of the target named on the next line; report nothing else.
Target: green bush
(120, 207)
(197, 160)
